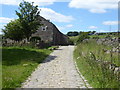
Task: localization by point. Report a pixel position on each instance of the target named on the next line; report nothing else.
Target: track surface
(57, 71)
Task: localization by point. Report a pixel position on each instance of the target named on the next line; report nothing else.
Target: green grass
(53, 47)
(99, 36)
(102, 36)
(96, 74)
(19, 63)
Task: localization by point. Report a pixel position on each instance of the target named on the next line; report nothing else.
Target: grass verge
(19, 63)
(96, 74)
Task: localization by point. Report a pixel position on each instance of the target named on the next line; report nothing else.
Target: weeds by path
(88, 56)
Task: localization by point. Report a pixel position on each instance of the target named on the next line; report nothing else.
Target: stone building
(49, 33)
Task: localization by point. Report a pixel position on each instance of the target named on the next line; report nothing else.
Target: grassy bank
(97, 75)
(19, 63)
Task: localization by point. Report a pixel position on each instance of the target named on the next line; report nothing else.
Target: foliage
(75, 33)
(53, 47)
(73, 39)
(91, 32)
(82, 36)
(34, 39)
(18, 63)
(13, 30)
(78, 39)
(28, 15)
(87, 55)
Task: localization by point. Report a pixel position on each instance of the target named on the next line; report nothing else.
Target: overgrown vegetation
(91, 61)
(78, 39)
(75, 33)
(18, 63)
(13, 30)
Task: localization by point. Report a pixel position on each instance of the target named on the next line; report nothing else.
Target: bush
(35, 39)
(75, 33)
(95, 37)
(13, 30)
(71, 42)
(82, 36)
(91, 61)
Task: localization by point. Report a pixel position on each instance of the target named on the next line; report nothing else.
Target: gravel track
(57, 71)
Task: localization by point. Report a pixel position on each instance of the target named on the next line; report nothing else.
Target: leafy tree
(75, 33)
(93, 32)
(82, 36)
(35, 39)
(13, 30)
(28, 15)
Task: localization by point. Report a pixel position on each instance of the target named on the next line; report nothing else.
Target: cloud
(5, 19)
(54, 16)
(97, 10)
(64, 27)
(42, 2)
(2, 27)
(60, 28)
(3, 22)
(94, 6)
(36, 2)
(92, 27)
(110, 22)
(107, 30)
(10, 2)
(69, 25)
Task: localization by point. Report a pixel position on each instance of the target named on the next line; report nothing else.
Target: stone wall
(109, 41)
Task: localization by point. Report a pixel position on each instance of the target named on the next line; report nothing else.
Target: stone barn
(49, 33)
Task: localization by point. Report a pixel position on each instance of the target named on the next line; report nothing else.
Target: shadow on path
(49, 58)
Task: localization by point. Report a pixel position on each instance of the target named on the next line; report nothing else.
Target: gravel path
(57, 71)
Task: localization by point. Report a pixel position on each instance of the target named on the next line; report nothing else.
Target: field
(18, 63)
(86, 54)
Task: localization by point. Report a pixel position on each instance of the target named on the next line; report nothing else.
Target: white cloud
(64, 27)
(42, 2)
(94, 6)
(92, 27)
(97, 10)
(60, 28)
(54, 16)
(5, 20)
(36, 2)
(107, 30)
(69, 25)
(110, 22)
(10, 2)
(2, 27)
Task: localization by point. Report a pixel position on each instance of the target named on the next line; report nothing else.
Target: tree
(75, 33)
(82, 36)
(13, 30)
(93, 32)
(28, 15)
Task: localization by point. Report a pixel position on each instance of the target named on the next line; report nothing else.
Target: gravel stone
(57, 71)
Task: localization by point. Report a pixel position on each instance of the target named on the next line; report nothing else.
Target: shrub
(35, 39)
(13, 30)
(92, 64)
(82, 36)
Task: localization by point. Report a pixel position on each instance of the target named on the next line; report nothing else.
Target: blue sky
(73, 15)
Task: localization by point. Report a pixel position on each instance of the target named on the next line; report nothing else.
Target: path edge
(76, 66)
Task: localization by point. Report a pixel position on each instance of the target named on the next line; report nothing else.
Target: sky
(69, 15)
